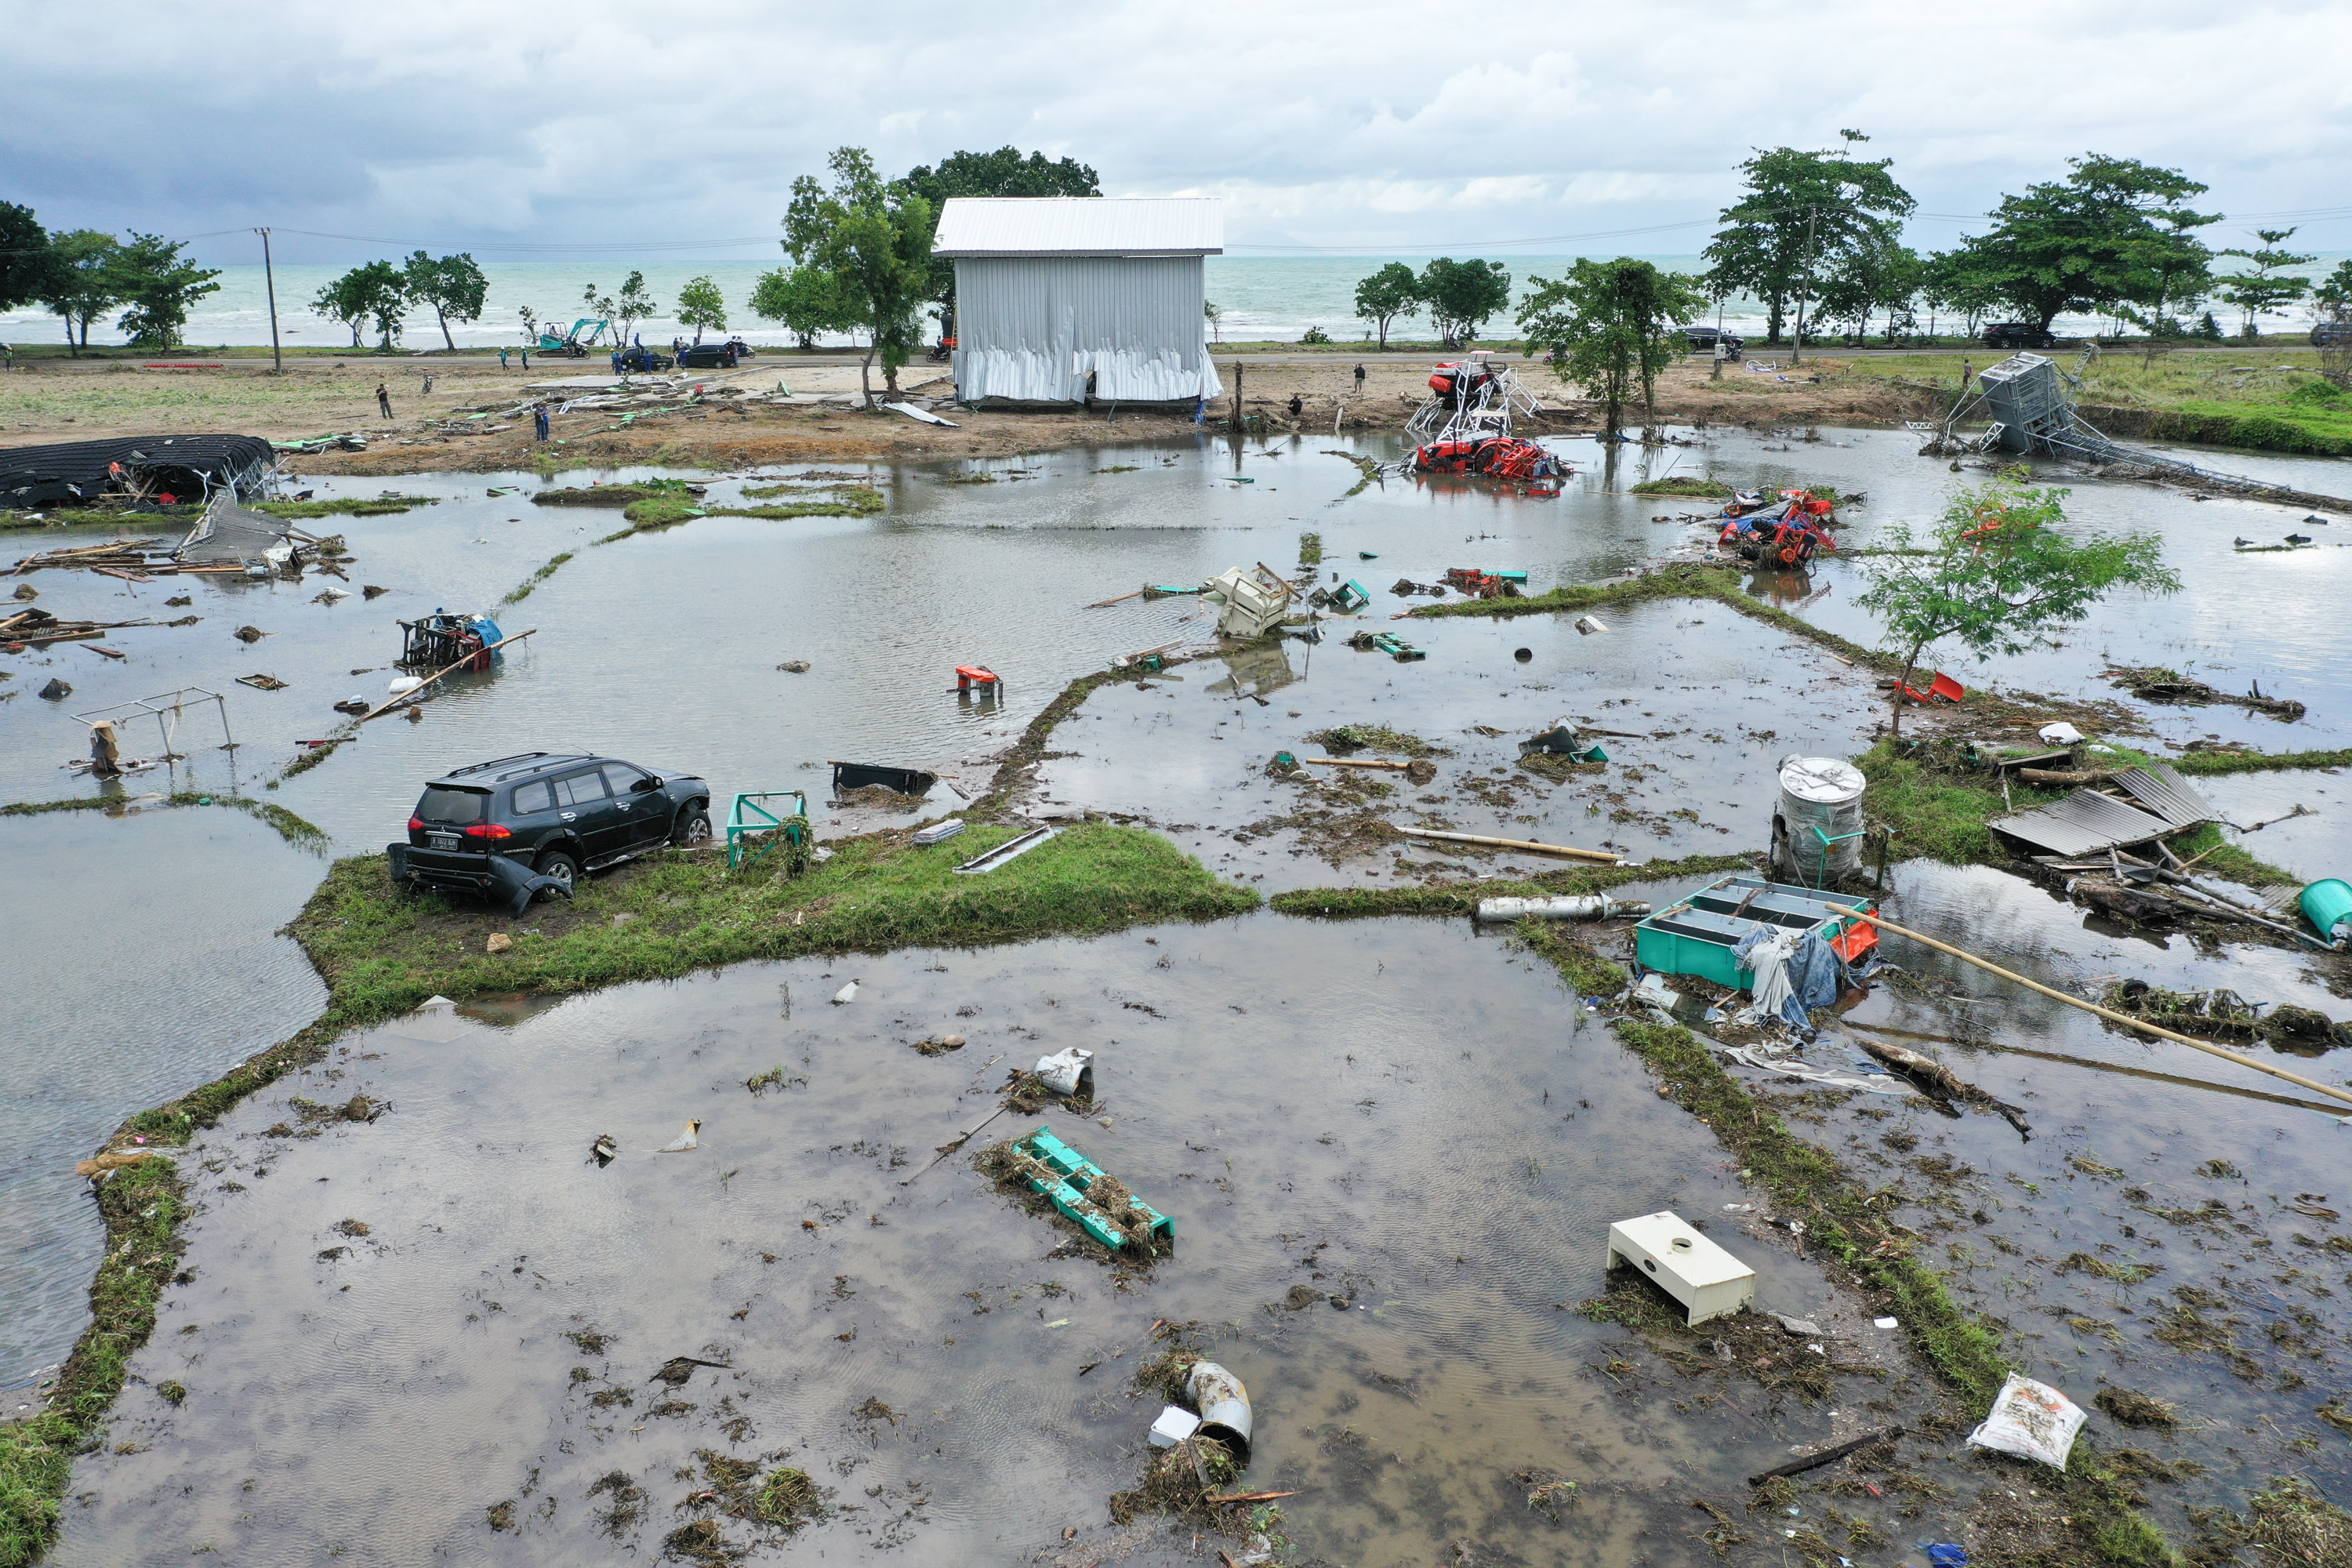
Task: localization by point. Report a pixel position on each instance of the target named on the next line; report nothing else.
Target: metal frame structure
(1489, 412)
(779, 829)
(174, 703)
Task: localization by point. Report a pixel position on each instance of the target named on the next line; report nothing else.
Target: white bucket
(1070, 1072)
(1821, 799)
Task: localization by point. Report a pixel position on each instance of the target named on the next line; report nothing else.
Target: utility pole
(270, 279)
(1805, 290)
(1236, 421)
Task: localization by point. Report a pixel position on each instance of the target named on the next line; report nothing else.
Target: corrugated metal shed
(2163, 790)
(2084, 822)
(1080, 226)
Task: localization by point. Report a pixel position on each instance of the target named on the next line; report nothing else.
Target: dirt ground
(52, 401)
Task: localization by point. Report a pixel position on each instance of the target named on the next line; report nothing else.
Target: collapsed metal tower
(1482, 398)
(2028, 403)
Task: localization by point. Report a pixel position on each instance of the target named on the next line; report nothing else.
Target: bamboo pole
(1527, 843)
(2125, 1019)
(438, 674)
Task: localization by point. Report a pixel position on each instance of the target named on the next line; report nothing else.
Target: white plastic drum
(1821, 800)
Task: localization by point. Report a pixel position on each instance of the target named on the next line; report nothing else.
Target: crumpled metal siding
(2084, 822)
(1032, 329)
(2163, 790)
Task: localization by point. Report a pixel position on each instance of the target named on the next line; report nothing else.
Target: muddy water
(1397, 1111)
(133, 999)
(1712, 703)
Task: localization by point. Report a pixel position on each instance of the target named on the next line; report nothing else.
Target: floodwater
(1421, 1132)
(155, 964)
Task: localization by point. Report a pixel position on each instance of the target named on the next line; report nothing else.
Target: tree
(1003, 172)
(1805, 214)
(2261, 291)
(807, 299)
(159, 285)
(1885, 272)
(700, 305)
(2114, 232)
(81, 286)
(25, 260)
(1954, 280)
(379, 289)
(2334, 293)
(1391, 292)
(876, 241)
(604, 307)
(1610, 326)
(453, 286)
(633, 306)
(2000, 576)
(1214, 314)
(1460, 295)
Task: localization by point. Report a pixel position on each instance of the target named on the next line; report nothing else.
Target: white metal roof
(1081, 226)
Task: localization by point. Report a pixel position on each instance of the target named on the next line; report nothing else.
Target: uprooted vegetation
(1345, 740)
(1741, 1344)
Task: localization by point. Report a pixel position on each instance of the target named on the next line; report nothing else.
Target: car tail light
(415, 824)
(490, 830)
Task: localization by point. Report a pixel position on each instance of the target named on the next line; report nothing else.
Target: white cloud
(1378, 124)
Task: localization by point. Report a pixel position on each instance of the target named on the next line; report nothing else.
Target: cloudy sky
(1354, 126)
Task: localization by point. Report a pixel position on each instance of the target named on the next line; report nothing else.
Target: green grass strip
(296, 830)
(1463, 898)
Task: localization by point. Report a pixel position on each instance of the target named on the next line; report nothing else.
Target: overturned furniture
(441, 639)
(1699, 932)
(1067, 1177)
(1256, 599)
(1708, 1281)
(847, 776)
(753, 829)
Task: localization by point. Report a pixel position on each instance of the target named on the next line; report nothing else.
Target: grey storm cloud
(1360, 125)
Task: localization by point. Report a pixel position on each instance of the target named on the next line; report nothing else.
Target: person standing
(539, 418)
(502, 358)
(384, 399)
(526, 357)
(1359, 378)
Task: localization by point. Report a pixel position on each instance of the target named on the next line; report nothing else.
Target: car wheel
(693, 827)
(560, 865)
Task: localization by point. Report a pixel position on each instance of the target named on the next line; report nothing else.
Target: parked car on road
(2327, 334)
(1702, 341)
(638, 359)
(708, 356)
(560, 814)
(2017, 335)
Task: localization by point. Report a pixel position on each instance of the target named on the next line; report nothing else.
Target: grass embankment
(295, 830)
(2270, 399)
(382, 954)
(185, 516)
(1463, 898)
(1683, 486)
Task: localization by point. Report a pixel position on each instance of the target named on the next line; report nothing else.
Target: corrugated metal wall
(1034, 328)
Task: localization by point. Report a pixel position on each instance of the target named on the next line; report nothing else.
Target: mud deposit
(1395, 1113)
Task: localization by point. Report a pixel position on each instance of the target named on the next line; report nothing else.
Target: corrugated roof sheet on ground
(1081, 226)
(2083, 823)
(2163, 790)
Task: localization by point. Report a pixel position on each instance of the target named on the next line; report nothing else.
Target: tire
(693, 829)
(560, 864)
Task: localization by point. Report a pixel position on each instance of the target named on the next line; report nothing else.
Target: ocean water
(1260, 298)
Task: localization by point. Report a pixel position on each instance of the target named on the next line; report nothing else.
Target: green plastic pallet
(1078, 1173)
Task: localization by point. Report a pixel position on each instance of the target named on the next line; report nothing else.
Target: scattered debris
(605, 1150)
(689, 1138)
(1708, 1281)
(2031, 1420)
(262, 682)
(1080, 1189)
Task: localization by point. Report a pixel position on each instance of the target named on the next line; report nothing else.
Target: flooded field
(1420, 1121)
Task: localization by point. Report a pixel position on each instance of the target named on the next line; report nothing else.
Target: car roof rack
(498, 762)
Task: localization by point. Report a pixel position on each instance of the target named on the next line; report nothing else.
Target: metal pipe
(2125, 1019)
(1527, 843)
(1225, 1406)
(1068, 1073)
(1586, 907)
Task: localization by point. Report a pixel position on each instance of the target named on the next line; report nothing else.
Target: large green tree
(701, 306)
(1611, 327)
(807, 300)
(377, 290)
(2115, 233)
(875, 239)
(25, 260)
(1954, 280)
(453, 286)
(2000, 574)
(1805, 216)
(1391, 292)
(81, 286)
(1007, 172)
(161, 286)
(1462, 295)
(2262, 288)
(1885, 275)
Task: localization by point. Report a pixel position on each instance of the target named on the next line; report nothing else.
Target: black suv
(2017, 335)
(1702, 341)
(558, 814)
(708, 356)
